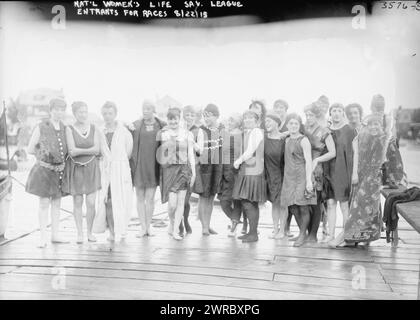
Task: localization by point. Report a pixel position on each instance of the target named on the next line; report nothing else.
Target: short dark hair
(262, 105)
(173, 113)
(336, 106)
(350, 106)
(281, 102)
(57, 103)
(110, 105)
(77, 105)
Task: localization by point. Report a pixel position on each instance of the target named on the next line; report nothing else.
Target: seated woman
(364, 222)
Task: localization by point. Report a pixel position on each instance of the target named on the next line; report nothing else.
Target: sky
(296, 61)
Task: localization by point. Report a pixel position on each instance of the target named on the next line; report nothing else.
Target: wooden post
(5, 138)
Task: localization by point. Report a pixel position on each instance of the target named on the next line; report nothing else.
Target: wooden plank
(404, 288)
(330, 282)
(135, 288)
(401, 277)
(411, 213)
(6, 269)
(342, 292)
(223, 272)
(18, 295)
(398, 266)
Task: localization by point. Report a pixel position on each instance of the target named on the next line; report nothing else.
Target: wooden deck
(215, 267)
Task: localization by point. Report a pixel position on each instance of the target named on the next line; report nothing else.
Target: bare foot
(58, 239)
(42, 244)
(79, 239)
(280, 236)
(177, 236)
(141, 234)
(300, 241)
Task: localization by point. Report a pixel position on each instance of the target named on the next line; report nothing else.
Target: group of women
(304, 170)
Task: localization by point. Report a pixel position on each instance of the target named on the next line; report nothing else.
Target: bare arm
(355, 176)
(34, 140)
(102, 143)
(255, 139)
(331, 153)
(199, 146)
(191, 157)
(74, 151)
(306, 146)
(128, 142)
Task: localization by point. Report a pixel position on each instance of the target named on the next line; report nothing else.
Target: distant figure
(280, 108)
(323, 104)
(259, 107)
(393, 168)
(354, 113)
(398, 125)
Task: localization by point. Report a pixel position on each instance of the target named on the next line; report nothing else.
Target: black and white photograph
(209, 150)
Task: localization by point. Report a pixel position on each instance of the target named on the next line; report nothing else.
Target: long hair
(263, 111)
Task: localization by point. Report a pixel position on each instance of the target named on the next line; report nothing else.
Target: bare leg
(179, 212)
(201, 206)
(283, 221)
(187, 208)
(209, 212)
(245, 221)
(314, 223)
(337, 241)
(55, 221)
(141, 210)
(78, 216)
(332, 217)
(44, 205)
(275, 213)
(304, 217)
(206, 208)
(90, 214)
(110, 218)
(172, 205)
(344, 206)
(324, 220)
(150, 208)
